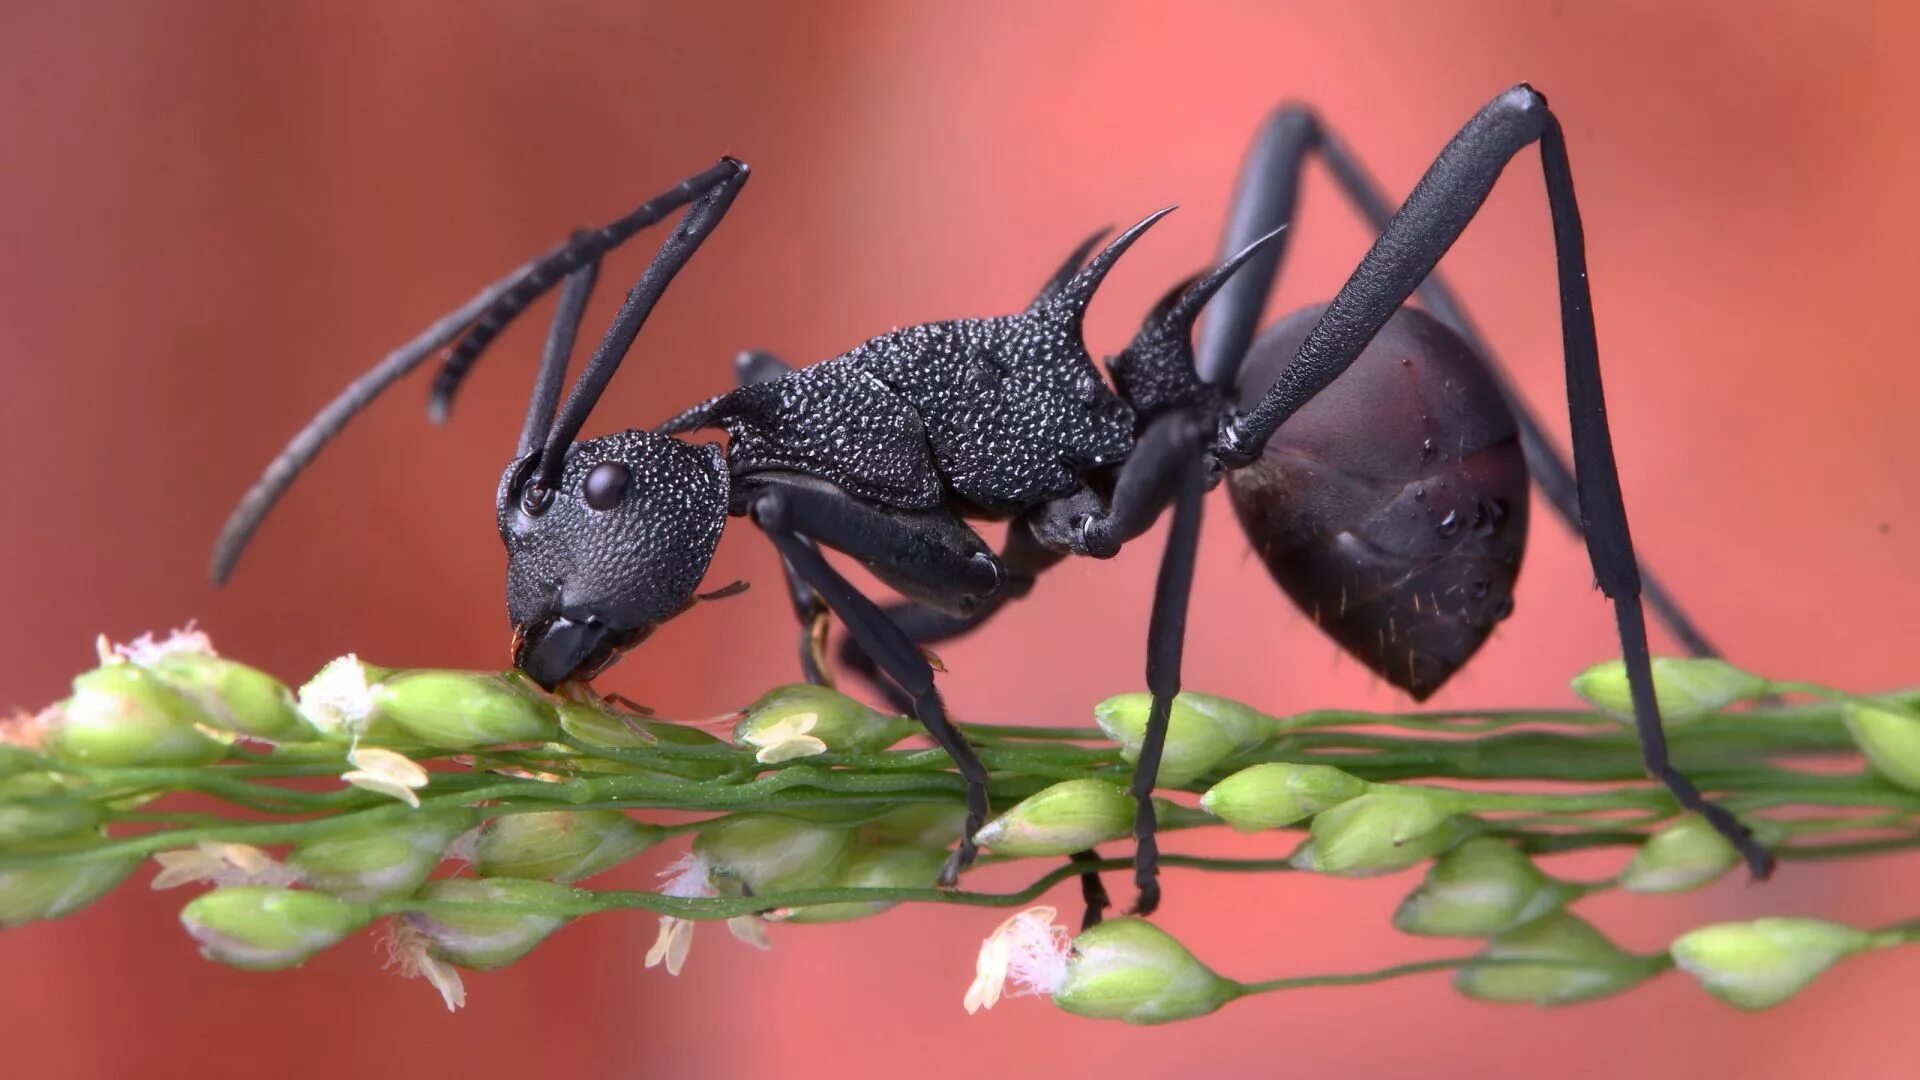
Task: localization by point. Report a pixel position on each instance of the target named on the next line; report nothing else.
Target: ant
(1391, 504)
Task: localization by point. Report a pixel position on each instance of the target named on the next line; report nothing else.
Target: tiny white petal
(446, 979)
(387, 772)
(407, 952)
(786, 739)
(382, 785)
(221, 864)
(672, 944)
(989, 976)
(797, 746)
(184, 867)
(750, 929)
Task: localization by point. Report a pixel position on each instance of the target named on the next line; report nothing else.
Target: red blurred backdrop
(212, 215)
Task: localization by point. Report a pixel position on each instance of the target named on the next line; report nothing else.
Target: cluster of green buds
(763, 854)
(1355, 829)
(538, 792)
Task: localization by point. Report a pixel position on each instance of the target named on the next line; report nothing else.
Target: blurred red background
(212, 215)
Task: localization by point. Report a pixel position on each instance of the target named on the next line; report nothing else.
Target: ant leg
(1166, 638)
(1092, 893)
(1167, 466)
(1439, 209)
(814, 619)
(1023, 558)
(1264, 199)
(790, 517)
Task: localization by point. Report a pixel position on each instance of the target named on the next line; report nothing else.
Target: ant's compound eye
(606, 485)
(535, 498)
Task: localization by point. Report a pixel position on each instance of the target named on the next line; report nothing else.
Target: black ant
(1392, 504)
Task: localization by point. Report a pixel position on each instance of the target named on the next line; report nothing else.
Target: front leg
(1167, 466)
(792, 517)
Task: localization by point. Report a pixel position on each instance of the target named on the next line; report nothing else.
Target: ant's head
(606, 538)
(608, 549)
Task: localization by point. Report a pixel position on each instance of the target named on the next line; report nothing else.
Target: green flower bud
(1270, 796)
(1385, 830)
(1480, 888)
(1070, 816)
(485, 940)
(931, 825)
(1202, 731)
(31, 893)
(1685, 687)
(459, 710)
(37, 806)
(384, 862)
(560, 845)
(1889, 738)
(1685, 855)
(1557, 959)
(633, 735)
(263, 928)
(123, 714)
(1129, 969)
(764, 853)
(235, 697)
(797, 721)
(874, 868)
(1757, 964)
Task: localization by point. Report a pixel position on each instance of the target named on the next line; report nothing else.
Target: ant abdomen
(1392, 507)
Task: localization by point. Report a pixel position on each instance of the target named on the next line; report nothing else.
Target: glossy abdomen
(1392, 508)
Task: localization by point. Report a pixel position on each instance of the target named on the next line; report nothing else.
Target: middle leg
(798, 519)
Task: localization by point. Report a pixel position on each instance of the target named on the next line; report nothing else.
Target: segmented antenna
(586, 246)
(300, 452)
(686, 238)
(555, 357)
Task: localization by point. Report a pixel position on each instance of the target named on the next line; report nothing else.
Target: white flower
(786, 739)
(673, 944)
(146, 652)
(407, 953)
(221, 864)
(338, 701)
(1027, 949)
(387, 772)
(687, 877)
